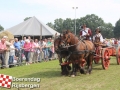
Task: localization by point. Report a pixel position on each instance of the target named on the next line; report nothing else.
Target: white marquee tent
(32, 27)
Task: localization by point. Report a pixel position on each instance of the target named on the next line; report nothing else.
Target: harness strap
(68, 56)
(85, 49)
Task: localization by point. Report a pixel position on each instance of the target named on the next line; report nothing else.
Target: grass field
(51, 79)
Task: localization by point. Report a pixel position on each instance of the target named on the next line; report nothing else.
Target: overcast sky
(13, 12)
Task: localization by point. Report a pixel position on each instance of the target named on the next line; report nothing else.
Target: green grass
(51, 79)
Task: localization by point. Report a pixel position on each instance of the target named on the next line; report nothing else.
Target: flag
(5, 81)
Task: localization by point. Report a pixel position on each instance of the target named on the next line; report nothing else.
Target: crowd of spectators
(32, 50)
(29, 50)
(112, 42)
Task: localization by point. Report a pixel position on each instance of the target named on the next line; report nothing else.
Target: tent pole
(22, 36)
(40, 31)
(33, 37)
(40, 40)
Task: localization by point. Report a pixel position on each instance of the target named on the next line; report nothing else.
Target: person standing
(37, 51)
(8, 44)
(3, 49)
(45, 50)
(27, 47)
(49, 49)
(32, 50)
(12, 53)
(17, 46)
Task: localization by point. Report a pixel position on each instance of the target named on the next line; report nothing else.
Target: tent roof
(32, 27)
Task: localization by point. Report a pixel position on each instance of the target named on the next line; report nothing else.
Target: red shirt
(84, 32)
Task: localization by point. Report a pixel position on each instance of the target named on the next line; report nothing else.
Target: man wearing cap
(85, 33)
(3, 48)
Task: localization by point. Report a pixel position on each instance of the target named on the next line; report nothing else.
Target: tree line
(92, 21)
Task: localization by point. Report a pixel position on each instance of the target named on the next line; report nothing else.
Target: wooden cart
(104, 55)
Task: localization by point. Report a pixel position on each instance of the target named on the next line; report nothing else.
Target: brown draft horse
(62, 54)
(81, 50)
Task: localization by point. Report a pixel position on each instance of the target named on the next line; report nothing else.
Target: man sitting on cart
(98, 41)
(98, 36)
(85, 33)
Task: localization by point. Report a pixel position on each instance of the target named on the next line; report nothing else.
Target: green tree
(117, 29)
(58, 24)
(93, 21)
(68, 24)
(1, 28)
(50, 25)
(27, 18)
(107, 30)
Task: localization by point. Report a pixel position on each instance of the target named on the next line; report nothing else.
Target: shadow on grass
(44, 74)
(113, 64)
(98, 68)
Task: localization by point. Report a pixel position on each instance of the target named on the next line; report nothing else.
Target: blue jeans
(27, 55)
(50, 53)
(46, 53)
(2, 57)
(11, 58)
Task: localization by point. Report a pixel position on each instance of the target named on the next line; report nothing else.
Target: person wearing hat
(98, 34)
(85, 33)
(98, 40)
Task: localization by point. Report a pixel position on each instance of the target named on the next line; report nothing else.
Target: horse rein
(59, 49)
(67, 46)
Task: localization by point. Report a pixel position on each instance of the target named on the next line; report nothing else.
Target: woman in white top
(98, 34)
(12, 53)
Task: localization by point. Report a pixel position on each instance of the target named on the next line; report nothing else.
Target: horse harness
(77, 52)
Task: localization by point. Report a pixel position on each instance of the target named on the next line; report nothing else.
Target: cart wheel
(105, 58)
(118, 55)
(97, 56)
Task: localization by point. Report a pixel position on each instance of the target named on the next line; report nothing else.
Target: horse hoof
(72, 75)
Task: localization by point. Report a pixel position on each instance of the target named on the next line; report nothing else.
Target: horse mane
(66, 31)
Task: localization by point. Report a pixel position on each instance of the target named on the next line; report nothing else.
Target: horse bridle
(59, 48)
(65, 41)
(66, 44)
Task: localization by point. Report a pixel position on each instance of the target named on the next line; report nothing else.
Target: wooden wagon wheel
(105, 58)
(118, 55)
(97, 56)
